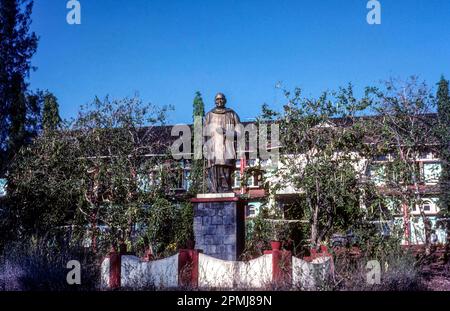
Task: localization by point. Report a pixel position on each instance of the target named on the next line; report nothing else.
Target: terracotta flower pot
(276, 245)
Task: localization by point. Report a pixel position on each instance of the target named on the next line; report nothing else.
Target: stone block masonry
(219, 227)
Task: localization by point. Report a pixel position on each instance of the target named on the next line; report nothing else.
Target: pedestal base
(219, 225)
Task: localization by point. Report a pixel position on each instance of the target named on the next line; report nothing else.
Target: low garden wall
(192, 269)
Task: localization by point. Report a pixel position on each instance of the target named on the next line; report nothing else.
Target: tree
(106, 175)
(17, 46)
(196, 177)
(44, 187)
(199, 106)
(50, 113)
(403, 122)
(322, 141)
(118, 140)
(443, 105)
(443, 137)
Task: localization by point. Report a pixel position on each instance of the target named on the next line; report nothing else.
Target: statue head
(220, 100)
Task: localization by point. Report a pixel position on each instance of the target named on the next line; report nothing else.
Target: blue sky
(167, 50)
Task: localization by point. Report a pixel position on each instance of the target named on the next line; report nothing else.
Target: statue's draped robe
(221, 128)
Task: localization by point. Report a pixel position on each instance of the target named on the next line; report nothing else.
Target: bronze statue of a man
(221, 129)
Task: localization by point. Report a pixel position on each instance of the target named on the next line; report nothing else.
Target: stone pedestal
(219, 225)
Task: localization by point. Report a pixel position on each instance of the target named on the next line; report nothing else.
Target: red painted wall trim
(194, 273)
(281, 267)
(188, 268)
(406, 224)
(114, 269)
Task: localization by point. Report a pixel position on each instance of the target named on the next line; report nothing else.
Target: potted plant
(279, 232)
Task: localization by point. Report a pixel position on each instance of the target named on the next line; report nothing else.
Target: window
(377, 174)
(178, 179)
(393, 205)
(381, 157)
(237, 179)
(250, 210)
(425, 155)
(186, 179)
(249, 162)
(2, 187)
(264, 163)
(252, 162)
(431, 172)
(143, 183)
(252, 181)
(428, 206)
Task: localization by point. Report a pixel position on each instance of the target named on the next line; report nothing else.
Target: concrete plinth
(219, 225)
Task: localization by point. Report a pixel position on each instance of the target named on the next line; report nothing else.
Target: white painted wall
(159, 273)
(256, 273)
(310, 275)
(217, 273)
(104, 274)
(213, 272)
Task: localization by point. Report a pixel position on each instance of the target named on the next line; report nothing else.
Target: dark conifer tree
(197, 170)
(17, 46)
(50, 113)
(443, 135)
